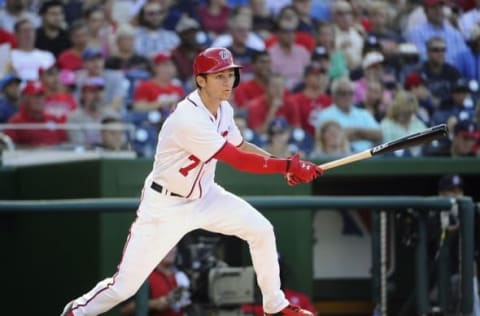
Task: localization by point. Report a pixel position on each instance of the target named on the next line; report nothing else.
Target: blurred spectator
(151, 38)
(330, 141)
(461, 144)
(469, 19)
(115, 82)
(73, 10)
(468, 61)
(288, 58)
(71, 58)
(182, 56)
(91, 111)
(26, 59)
(314, 97)
(240, 27)
(51, 35)
(401, 120)
(168, 290)
(58, 102)
(248, 90)
(98, 34)
(7, 37)
(113, 135)
(325, 42)
(14, 11)
(240, 19)
(362, 130)
(458, 106)
(278, 138)
(289, 16)
(378, 15)
(439, 76)
(348, 38)
(372, 66)
(436, 26)
(124, 57)
(276, 102)
(263, 22)
(406, 60)
(160, 93)
(9, 96)
(304, 10)
(373, 101)
(415, 84)
(32, 111)
(240, 118)
(213, 17)
(360, 20)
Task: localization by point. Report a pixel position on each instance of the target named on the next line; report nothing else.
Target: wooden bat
(414, 139)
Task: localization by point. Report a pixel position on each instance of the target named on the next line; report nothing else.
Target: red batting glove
(300, 171)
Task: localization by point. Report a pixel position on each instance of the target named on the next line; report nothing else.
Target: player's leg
(223, 212)
(152, 235)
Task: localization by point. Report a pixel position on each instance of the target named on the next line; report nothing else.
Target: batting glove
(300, 171)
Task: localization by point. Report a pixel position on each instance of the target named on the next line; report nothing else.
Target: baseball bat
(414, 139)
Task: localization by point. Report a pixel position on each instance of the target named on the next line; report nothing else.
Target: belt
(160, 189)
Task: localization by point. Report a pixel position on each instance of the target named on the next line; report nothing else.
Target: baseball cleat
(292, 310)
(67, 311)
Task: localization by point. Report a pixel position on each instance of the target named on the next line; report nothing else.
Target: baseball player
(180, 194)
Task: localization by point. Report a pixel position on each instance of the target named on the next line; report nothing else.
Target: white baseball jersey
(187, 142)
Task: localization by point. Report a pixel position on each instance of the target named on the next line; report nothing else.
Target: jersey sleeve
(199, 137)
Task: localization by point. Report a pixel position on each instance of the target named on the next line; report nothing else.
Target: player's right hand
(300, 171)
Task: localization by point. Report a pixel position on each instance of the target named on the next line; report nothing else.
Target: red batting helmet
(215, 59)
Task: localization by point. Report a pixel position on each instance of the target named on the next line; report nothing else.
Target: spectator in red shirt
(7, 37)
(32, 111)
(161, 92)
(276, 102)
(313, 98)
(214, 17)
(57, 103)
(168, 288)
(255, 87)
(71, 58)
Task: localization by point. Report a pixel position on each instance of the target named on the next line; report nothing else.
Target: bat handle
(346, 160)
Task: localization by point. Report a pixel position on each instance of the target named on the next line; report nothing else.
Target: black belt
(160, 189)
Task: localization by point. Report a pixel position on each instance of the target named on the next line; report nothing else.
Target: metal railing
(379, 205)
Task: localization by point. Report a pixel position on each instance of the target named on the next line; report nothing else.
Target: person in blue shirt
(362, 130)
(467, 61)
(9, 96)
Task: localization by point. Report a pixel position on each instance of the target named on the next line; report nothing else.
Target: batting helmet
(215, 59)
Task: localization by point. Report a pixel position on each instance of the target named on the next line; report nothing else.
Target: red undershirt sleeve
(250, 162)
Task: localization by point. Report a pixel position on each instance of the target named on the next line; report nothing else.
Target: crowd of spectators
(320, 77)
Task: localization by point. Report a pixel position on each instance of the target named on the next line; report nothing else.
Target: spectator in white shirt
(26, 60)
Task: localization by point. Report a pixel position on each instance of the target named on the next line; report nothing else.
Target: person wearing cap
(26, 60)
(439, 76)
(468, 61)
(313, 96)
(250, 89)
(278, 138)
(325, 49)
(91, 110)
(160, 93)
(32, 111)
(362, 130)
(465, 133)
(115, 81)
(58, 102)
(9, 96)
(287, 50)
(124, 57)
(151, 37)
(182, 56)
(276, 102)
(415, 84)
(51, 36)
(71, 59)
(457, 106)
(372, 66)
(407, 60)
(436, 25)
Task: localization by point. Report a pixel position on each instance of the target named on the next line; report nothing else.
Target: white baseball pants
(162, 221)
